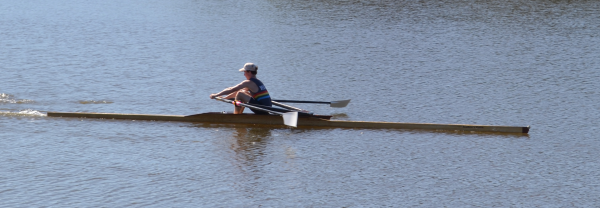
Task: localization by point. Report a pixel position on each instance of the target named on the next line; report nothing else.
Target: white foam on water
(95, 102)
(7, 98)
(27, 112)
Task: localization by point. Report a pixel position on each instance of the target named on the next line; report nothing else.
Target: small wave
(7, 101)
(95, 102)
(28, 112)
(8, 98)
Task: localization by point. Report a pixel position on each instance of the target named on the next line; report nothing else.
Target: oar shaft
(301, 101)
(334, 104)
(287, 106)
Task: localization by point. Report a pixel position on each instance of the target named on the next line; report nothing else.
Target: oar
(289, 107)
(289, 118)
(334, 104)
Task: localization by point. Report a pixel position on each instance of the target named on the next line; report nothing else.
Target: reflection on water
(250, 143)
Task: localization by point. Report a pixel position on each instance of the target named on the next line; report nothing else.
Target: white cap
(249, 67)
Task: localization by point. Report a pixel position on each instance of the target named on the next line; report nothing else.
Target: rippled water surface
(476, 62)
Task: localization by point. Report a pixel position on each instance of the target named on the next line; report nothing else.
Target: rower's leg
(242, 97)
(238, 110)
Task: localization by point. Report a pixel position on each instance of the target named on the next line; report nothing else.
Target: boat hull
(303, 121)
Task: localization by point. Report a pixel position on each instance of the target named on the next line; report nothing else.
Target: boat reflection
(250, 143)
(246, 140)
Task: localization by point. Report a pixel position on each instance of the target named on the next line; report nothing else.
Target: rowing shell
(303, 121)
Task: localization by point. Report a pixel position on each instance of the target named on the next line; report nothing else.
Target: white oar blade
(339, 103)
(290, 118)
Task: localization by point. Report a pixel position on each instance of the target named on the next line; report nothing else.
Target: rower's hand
(212, 96)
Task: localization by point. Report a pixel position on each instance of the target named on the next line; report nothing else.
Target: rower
(251, 91)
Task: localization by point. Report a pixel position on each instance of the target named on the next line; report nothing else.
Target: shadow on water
(253, 131)
(465, 133)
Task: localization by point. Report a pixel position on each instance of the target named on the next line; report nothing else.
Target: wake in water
(7, 98)
(23, 113)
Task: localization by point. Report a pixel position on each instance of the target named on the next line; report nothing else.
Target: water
(475, 62)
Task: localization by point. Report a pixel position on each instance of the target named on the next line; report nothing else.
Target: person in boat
(251, 91)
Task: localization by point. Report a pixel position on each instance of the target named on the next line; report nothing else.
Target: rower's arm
(233, 89)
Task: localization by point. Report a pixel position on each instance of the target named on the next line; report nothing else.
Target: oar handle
(248, 106)
(289, 118)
